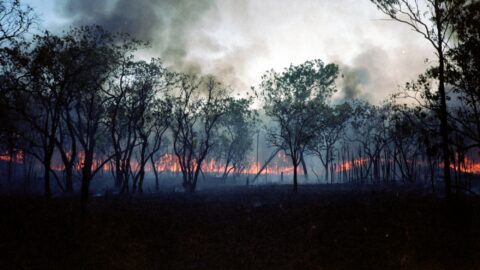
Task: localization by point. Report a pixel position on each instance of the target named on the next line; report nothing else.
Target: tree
(235, 138)
(15, 20)
(334, 121)
(423, 121)
(462, 74)
(405, 133)
(431, 19)
(122, 113)
(40, 93)
(370, 127)
(100, 57)
(152, 113)
(198, 105)
(293, 99)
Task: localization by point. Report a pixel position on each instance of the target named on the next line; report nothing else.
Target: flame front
(169, 163)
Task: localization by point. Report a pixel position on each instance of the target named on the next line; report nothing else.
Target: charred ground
(263, 227)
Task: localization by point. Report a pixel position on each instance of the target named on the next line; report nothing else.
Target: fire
(16, 157)
(349, 165)
(469, 166)
(97, 162)
(169, 163)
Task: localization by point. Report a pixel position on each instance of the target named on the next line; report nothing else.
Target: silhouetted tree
(15, 20)
(198, 107)
(431, 19)
(101, 56)
(334, 121)
(293, 100)
(370, 130)
(122, 113)
(464, 67)
(43, 77)
(152, 113)
(404, 132)
(236, 135)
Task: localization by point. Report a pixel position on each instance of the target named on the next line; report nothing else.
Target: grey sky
(238, 40)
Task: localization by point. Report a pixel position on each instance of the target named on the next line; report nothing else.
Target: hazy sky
(238, 40)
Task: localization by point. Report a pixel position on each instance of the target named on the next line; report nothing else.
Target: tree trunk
(46, 174)
(155, 172)
(125, 183)
(443, 103)
(295, 182)
(140, 180)
(86, 178)
(118, 172)
(134, 185)
(189, 187)
(304, 166)
(46, 179)
(326, 171)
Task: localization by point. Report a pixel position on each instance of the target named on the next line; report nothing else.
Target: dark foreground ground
(322, 227)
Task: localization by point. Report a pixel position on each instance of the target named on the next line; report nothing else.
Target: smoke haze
(239, 40)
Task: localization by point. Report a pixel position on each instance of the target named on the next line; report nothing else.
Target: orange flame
(169, 163)
(349, 165)
(16, 157)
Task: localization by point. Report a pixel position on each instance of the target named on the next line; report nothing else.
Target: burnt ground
(321, 227)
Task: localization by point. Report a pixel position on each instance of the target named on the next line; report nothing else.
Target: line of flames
(169, 163)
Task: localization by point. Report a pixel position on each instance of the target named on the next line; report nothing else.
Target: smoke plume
(238, 40)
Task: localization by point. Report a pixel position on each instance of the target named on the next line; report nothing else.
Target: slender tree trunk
(326, 172)
(140, 180)
(118, 171)
(304, 166)
(46, 179)
(134, 184)
(443, 103)
(295, 182)
(46, 167)
(86, 178)
(155, 172)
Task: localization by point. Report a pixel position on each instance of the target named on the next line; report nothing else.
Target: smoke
(374, 74)
(165, 23)
(354, 81)
(238, 40)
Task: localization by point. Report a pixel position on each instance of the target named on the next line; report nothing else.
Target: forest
(110, 160)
